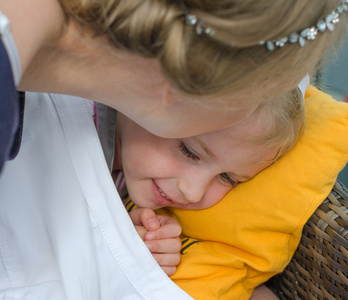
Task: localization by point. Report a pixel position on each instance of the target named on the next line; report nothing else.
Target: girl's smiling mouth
(159, 196)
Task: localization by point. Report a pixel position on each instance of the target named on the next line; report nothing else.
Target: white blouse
(64, 232)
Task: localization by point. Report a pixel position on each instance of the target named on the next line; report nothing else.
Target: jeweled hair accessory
(200, 27)
(308, 34)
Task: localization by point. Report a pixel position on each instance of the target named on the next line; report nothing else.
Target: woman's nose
(193, 189)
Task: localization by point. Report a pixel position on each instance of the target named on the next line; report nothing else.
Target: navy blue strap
(18, 137)
(9, 109)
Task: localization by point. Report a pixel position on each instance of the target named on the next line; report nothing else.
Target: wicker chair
(319, 267)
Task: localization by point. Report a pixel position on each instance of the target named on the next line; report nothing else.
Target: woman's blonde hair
(229, 61)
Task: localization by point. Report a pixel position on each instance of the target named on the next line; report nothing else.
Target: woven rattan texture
(319, 268)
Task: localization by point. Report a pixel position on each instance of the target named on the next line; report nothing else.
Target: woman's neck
(34, 24)
(58, 56)
(77, 63)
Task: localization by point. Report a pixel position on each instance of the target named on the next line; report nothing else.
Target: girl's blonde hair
(229, 61)
(283, 120)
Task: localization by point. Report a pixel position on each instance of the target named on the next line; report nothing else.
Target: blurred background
(333, 79)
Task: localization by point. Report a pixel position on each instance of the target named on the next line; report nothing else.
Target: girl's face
(189, 173)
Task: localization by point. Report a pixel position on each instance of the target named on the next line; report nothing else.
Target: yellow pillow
(254, 231)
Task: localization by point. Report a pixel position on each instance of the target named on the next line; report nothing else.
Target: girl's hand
(161, 236)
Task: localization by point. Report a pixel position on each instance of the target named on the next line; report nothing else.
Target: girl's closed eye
(227, 179)
(187, 152)
(224, 177)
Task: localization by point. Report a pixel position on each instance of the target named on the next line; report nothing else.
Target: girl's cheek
(216, 194)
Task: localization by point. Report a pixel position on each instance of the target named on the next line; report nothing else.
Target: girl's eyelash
(224, 177)
(186, 151)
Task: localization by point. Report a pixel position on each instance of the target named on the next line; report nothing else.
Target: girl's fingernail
(152, 224)
(148, 246)
(149, 236)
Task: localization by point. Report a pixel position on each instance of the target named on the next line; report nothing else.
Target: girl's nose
(193, 189)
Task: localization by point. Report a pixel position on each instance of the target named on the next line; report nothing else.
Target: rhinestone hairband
(301, 37)
(191, 20)
(310, 33)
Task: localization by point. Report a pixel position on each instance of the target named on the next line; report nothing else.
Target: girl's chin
(148, 204)
(188, 206)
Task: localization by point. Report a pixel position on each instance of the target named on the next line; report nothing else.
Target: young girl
(252, 234)
(197, 172)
